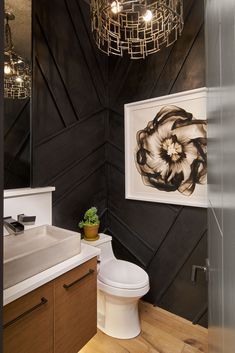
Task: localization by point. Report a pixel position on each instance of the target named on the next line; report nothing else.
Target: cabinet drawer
(75, 307)
(28, 322)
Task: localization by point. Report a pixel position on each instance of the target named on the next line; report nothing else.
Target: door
(220, 41)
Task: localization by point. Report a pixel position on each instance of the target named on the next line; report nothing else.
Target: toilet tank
(104, 243)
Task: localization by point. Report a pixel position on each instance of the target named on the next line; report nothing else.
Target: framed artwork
(166, 149)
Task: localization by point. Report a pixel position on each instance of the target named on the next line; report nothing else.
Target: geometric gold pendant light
(137, 27)
(17, 72)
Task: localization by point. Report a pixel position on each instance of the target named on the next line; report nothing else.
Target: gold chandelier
(138, 27)
(17, 72)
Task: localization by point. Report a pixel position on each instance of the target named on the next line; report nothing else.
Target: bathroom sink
(35, 250)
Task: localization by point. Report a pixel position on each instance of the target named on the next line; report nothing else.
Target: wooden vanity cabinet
(28, 322)
(75, 308)
(59, 317)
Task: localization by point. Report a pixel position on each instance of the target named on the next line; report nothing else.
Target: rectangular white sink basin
(36, 250)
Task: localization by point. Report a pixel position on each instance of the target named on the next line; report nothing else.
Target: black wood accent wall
(164, 239)
(69, 110)
(16, 143)
(78, 144)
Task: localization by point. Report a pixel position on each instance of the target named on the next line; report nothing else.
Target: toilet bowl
(120, 285)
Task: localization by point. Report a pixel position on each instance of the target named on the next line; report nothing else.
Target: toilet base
(118, 316)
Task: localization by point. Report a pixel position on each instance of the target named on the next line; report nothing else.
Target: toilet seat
(122, 274)
(122, 292)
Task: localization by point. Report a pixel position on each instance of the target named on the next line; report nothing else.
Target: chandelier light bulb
(148, 16)
(19, 79)
(116, 7)
(7, 69)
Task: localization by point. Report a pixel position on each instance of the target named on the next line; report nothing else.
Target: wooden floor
(162, 332)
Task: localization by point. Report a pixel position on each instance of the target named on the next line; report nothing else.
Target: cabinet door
(75, 308)
(28, 322)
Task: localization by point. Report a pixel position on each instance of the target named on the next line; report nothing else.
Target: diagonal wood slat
(182, 48)
(68, 109)
(70, 113)
(16, 143)
(93, 57)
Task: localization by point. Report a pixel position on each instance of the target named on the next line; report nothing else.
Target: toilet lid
(123, 274)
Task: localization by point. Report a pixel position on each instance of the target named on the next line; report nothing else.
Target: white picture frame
(137, 116)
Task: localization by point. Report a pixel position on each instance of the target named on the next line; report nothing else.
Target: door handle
(67, 286)
(27, 312)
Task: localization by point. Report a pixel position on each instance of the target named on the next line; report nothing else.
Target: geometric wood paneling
(78, 143)
(16, 143)
(69, 110)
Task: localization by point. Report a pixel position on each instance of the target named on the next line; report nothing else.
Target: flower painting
(165, 149)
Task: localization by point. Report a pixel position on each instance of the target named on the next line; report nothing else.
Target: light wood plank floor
(162, 332)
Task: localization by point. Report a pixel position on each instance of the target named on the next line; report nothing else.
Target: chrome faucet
(26, 220)
(17, 227)
(13, 226)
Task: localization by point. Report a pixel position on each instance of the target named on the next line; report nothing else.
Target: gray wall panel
(220, 42)
(215, 162)
(228, 128)
(215, 285)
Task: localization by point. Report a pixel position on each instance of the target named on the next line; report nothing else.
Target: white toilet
(120, 286)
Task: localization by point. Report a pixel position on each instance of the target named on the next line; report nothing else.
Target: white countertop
(29, 284)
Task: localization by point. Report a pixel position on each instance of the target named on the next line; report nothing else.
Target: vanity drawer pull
(67, 286)
(9, 323)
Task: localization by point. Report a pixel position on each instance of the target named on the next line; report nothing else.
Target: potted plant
(90, 224)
